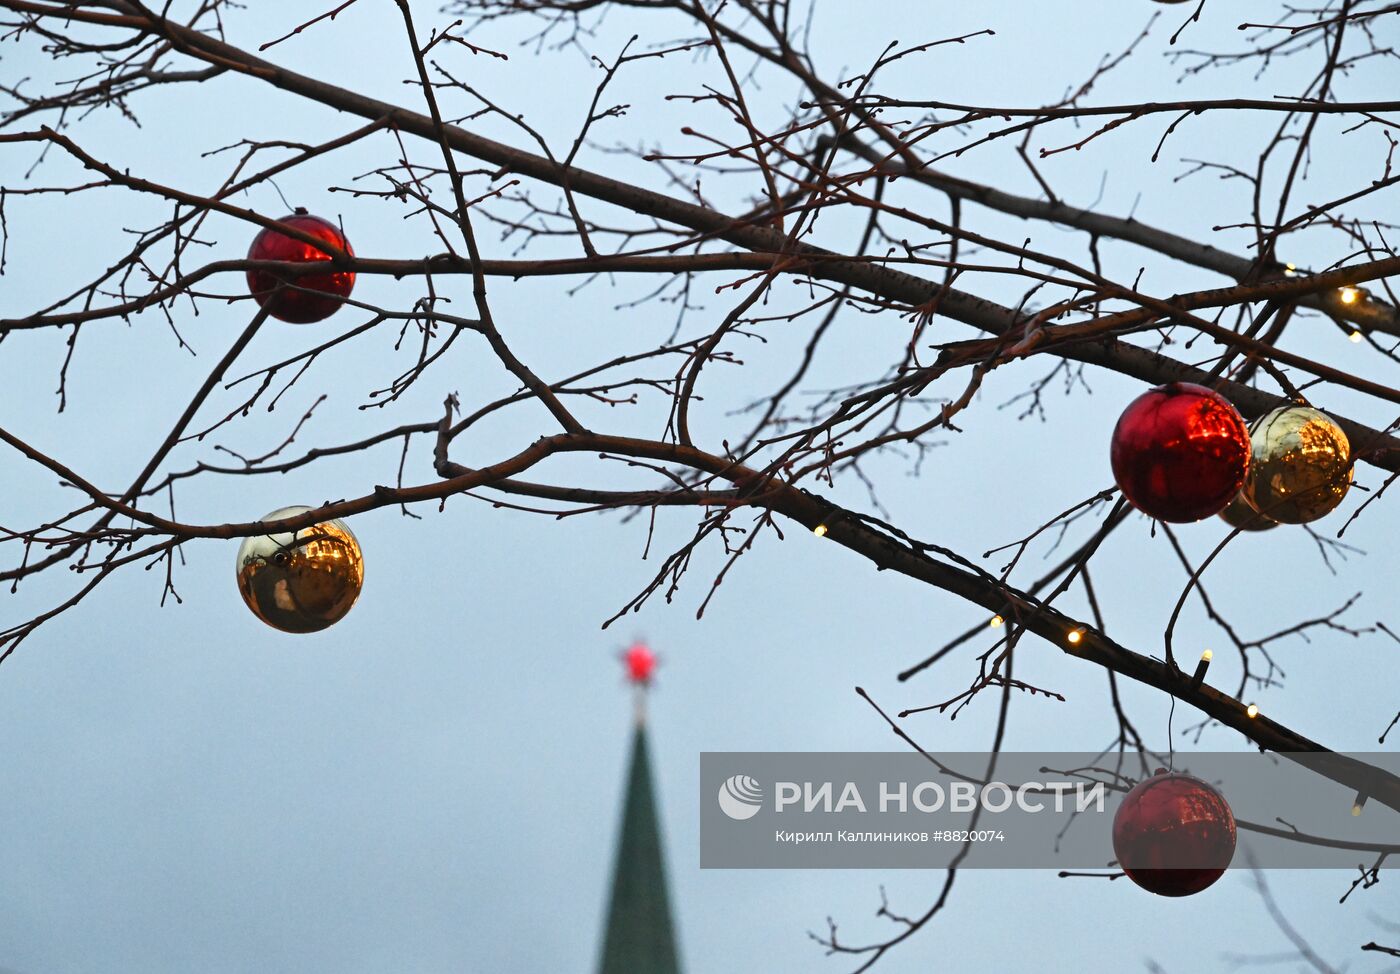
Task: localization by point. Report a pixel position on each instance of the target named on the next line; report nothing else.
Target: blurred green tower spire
(639, 937)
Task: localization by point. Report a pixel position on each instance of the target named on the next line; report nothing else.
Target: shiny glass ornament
(1174, 835)
(322, 294)
(1238, 514)
(301, 581)
(1301, 465)
(1180, 452)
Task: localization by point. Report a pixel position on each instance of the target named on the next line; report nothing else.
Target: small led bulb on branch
(1199, 676)
(1363, 792)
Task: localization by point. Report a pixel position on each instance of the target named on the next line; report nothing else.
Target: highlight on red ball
(1174, 835)
(640, 662)
(299, 299)
(1180, 452)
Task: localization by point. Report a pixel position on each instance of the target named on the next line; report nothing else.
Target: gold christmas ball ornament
(1300, 465)
(301, 581)
(1238, 514)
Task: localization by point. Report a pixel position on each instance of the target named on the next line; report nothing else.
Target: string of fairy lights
(1347, 294)
(1182, 453)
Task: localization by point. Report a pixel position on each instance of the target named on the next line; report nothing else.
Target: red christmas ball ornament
(1180, 452)
(320, 295)
(1174, 835)
(641, 663)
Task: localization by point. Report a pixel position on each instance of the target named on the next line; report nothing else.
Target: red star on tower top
(640, 662)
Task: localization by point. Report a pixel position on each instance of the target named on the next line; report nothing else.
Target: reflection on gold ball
(301, 581)
(1300, 465)
(1238, 514)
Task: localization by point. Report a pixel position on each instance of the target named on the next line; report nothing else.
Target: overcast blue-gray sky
(433, 784)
